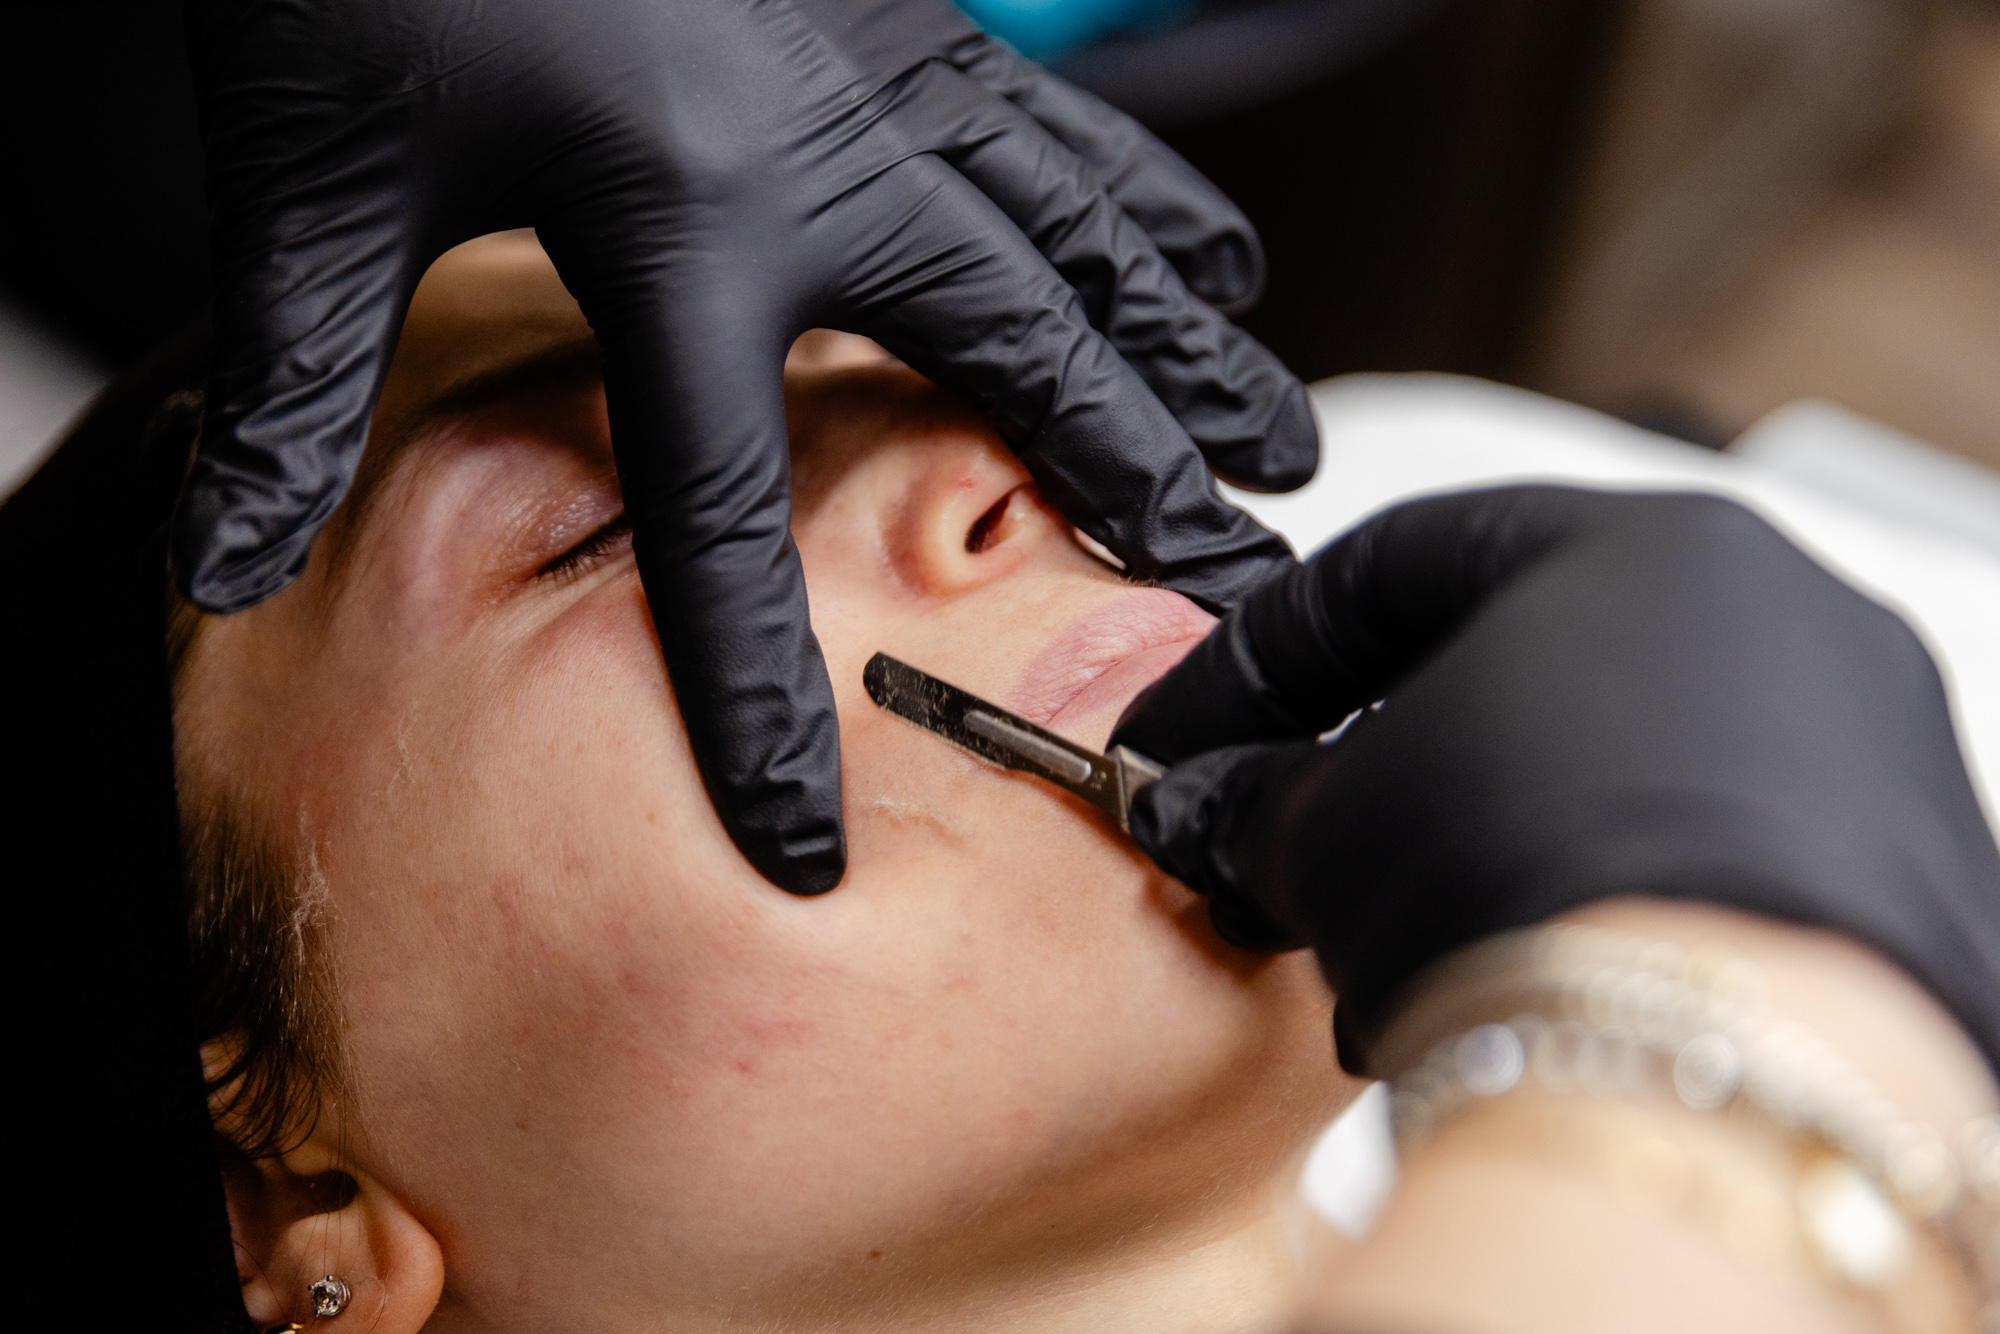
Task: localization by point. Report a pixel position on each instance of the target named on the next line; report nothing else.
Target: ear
(298, 1218)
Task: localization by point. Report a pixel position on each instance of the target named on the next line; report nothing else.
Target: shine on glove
(712, 177)
(1583, 696)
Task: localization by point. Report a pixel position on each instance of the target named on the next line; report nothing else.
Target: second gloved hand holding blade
(1584, 696)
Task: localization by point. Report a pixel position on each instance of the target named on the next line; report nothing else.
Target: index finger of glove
(1202, 234)
(1335, 635)
(693, 375)
(948, 284)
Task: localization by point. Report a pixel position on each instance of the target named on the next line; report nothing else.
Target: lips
(1078, 681)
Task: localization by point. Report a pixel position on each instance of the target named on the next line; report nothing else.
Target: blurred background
(1688, 213)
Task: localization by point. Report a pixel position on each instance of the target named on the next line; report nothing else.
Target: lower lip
(1087, 719)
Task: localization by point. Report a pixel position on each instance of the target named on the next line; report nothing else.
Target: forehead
(484, 306)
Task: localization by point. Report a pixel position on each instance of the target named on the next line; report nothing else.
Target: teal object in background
(1042, 29)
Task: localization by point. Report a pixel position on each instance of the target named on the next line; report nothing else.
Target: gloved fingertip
(1283, 456)
(820, 873)
(1227, 271)
(1244, 925)
(805, 865)
(1185, 823)
(222, 566)
(1348, 1047)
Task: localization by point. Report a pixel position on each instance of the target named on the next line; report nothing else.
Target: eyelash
(586, 555)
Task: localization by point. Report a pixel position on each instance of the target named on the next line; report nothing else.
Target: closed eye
(611, 540)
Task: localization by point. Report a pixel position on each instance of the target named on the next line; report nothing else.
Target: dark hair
(263, 1001)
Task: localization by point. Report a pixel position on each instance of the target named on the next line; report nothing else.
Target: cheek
(518, 808)
(576, 1011)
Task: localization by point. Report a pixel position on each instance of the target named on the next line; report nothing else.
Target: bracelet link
(1600, 1013)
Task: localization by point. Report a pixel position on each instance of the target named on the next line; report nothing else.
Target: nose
(888, 470)
(968, 515)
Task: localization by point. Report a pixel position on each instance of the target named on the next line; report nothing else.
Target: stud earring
(329, 1297)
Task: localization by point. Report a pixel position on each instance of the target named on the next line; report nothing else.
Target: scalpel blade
(1107, 782)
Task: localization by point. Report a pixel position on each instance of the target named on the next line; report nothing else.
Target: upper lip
(1098, 640)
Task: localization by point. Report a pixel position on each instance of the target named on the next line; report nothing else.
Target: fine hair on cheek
(265, 1004)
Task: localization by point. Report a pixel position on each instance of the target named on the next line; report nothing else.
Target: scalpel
(1108, 782)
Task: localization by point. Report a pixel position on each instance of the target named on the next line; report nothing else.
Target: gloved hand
(1582, 696)
(711, 177)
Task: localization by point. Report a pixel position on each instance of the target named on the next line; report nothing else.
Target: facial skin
(1005, 1073)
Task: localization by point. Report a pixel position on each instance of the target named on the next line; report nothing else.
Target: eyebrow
(571, 363)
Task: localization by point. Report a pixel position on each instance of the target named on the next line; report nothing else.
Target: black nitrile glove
(712, 177)
(1584, 695)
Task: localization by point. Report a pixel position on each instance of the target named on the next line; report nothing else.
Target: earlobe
(297, 1221)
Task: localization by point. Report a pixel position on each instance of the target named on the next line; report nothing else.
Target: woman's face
(607, 1064)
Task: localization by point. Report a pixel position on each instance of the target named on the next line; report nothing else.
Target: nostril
(985, 529)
